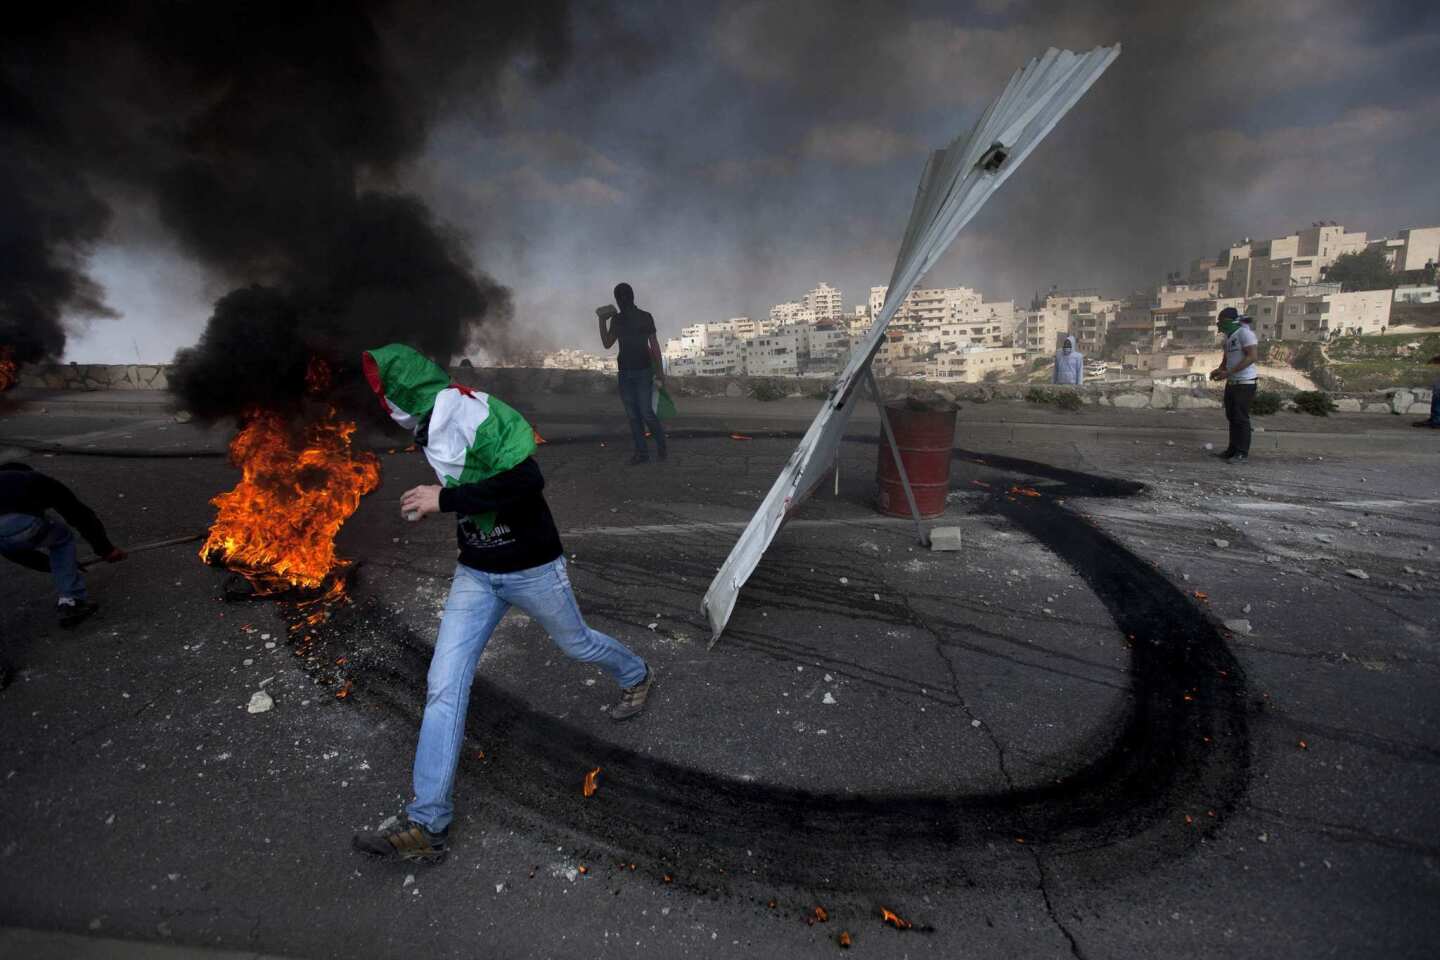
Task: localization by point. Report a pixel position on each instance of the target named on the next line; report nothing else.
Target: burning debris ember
(9, 373)
(591, 783)
(818, 915)
(894, 919)
(740, 436)
(1025, 491)
(844, 939)
(298, 487)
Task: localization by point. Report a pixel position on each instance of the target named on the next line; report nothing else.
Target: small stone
(1209, 446)
(1220, 543)
(270, 645)
(974, 723)
(828, 699)
(1263, 838)
(1324, 538)
(1047, 611)
(247, 662)
(1169, 443)
(260, 702)
(1358, 574)
(844, 580)
(409, 879)
(1245, 609)
(499, 888)
(652, 626)
(1241, 627)
(1272, 558)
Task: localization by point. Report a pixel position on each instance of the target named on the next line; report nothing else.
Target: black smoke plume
(268, 138)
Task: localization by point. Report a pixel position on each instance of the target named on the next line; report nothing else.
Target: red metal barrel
(926, 438)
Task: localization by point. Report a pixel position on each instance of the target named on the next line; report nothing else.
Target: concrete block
(1186, 402)
(1349, 405)
(1161, 397)
(1132, 401)
(945, 538)
(1377, 408)
(1400, 401)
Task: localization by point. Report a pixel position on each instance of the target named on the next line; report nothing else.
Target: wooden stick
(173, 541)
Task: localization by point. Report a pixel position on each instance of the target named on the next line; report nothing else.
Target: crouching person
(510, 554)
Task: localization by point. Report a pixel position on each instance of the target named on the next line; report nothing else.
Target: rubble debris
(1358, 574)
(845, 940)
(591, 783)
(945, 538)
(1222, 544)
(894, 919)
(1241, 627)
(818, 915)
(260, 701)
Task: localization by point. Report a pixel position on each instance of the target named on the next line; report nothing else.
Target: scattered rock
(1245, 609)
(260, 702)
(1324, 538)
(844, 580)
(409, 879)
(1222, 544)
(828, 699)
(1209, 446)
(1241, 627)
(182, 416)
(945, 539)
(1358, 574)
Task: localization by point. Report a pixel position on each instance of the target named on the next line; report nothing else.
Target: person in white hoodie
(1069, 364)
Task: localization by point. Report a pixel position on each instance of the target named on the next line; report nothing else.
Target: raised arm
(608, 333)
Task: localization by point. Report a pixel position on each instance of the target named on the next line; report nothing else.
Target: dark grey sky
(723, 157)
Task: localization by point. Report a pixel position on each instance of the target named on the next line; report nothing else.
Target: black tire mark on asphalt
(1178, 747)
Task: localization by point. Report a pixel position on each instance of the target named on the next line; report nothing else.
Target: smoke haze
(721, 158)
(267, 139)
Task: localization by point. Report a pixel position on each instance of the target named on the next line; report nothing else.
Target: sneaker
(1239, 458)
(638, 459)
(632, 699)
(72, 612)
(1225, 454)
(408, 842)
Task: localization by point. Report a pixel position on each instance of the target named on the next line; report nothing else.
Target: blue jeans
(1435, 404)
(23, 535)
(636, 387)
(477, 602)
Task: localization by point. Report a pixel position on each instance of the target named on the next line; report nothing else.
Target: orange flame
(590, 783)
(1025, 491)
(8, 369)
(298, 486)
(895, 920)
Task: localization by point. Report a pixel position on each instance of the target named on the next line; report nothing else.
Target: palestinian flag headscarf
(471, 436)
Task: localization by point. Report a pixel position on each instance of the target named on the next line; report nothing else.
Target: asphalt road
(1047, 744)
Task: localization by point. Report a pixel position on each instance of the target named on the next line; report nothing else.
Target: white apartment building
(1045, 329)
(970, 364)
(775, 354)
(824, 302)
(1320, 316)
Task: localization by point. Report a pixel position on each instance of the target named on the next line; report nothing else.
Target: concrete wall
(1140, 393)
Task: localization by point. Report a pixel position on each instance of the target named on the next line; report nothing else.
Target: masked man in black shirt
(639, 361)
(510, 555)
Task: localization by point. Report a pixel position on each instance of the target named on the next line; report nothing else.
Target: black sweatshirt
(27, 491)
(524, 535)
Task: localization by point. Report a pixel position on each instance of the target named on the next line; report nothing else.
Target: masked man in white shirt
(1241, 376)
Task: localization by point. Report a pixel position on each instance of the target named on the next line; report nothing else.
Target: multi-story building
(1421, 246)
(824, 302)
(1046, 329)
(971, 364)
(1319, 316)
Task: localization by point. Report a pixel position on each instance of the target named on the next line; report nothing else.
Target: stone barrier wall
(1132, 394)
